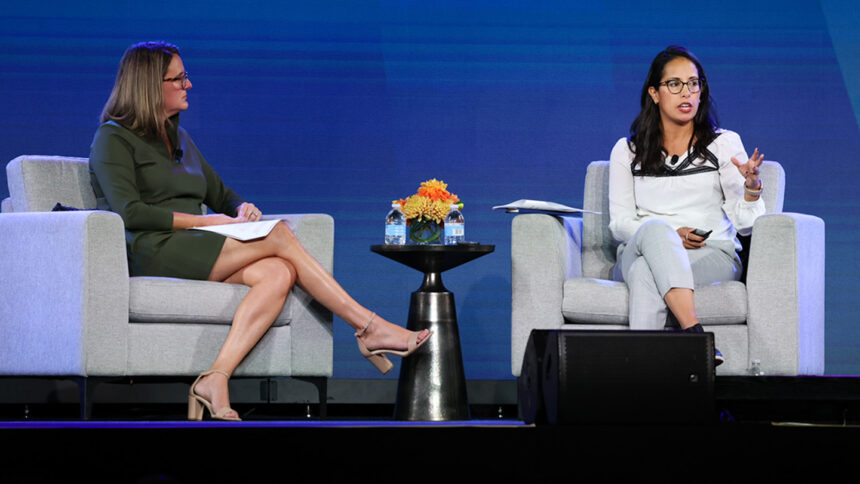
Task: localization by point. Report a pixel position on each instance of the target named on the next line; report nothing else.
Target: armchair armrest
(313, 341)
(65, 293)
(545, 251)
(785, 285)
(316, 233)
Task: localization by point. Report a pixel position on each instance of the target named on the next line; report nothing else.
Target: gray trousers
(655, 260)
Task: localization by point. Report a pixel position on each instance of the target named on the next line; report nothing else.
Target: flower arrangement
(425, 211)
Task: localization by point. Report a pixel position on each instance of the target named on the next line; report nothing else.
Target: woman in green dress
(146, 169)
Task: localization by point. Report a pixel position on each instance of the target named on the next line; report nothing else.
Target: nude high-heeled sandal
(378, 358)
(197, 402)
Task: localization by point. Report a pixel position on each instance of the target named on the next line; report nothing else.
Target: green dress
(139, 179)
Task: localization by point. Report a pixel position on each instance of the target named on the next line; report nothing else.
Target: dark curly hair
(646, 132)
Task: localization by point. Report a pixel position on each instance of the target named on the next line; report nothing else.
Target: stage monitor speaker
(617, 377)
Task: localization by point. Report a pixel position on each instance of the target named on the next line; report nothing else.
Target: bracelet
(753, 192)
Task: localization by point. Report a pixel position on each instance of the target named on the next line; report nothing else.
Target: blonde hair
(137, 100)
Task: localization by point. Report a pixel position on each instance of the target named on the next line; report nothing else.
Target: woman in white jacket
(679, 195)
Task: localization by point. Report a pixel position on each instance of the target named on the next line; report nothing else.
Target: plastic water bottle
(455, 226)
(395, 226)
(755, 368)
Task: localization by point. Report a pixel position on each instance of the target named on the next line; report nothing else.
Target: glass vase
(425, 232)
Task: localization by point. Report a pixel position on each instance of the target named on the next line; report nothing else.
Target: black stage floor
(763, 429)
(356, 451)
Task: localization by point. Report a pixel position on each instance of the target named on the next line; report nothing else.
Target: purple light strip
(71, 424)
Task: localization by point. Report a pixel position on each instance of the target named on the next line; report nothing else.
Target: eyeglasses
(182, 78)
(675, 86)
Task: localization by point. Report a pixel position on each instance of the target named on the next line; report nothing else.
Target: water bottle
(395, 226)
(455, 226)
(755, 368)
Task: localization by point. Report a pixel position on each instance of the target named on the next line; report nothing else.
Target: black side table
(432, 383)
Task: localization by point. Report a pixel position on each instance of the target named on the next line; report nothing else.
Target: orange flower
(432, 202)
(437, 190)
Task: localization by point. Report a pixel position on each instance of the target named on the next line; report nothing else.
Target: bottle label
(454, 230)
(395, 230)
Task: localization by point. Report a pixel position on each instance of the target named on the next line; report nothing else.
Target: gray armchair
(561, 279)
(69, 308)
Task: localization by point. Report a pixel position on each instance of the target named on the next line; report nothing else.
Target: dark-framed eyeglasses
(675, 86)
(182, 78)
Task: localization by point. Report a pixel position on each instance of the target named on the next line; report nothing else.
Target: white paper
(539, 206)
(243, 231)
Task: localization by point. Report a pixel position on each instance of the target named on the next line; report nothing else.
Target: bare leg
(311, 276)
(270, 279)
(681, 303)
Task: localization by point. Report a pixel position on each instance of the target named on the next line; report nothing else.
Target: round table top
(433, 257)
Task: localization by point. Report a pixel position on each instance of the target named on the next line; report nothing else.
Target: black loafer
(697, 328)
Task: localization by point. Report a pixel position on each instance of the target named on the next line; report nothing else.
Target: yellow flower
(438, 210)
(416, 206)
(432, 202)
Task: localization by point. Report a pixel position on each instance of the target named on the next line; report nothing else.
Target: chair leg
(322, 387)
(86, 391)
(84, 397)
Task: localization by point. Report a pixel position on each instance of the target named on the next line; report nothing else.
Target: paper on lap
(243, 231)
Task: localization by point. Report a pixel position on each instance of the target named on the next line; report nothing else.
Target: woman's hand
(749, 170)
(248, 212)
(218, 219)
(186, 220)
(691, 240)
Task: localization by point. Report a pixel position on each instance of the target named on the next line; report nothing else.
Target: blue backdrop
(340, 107)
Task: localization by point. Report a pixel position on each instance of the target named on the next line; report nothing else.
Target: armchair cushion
(37, 183)
(594, 301)
(600, 301)
(169, 300)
